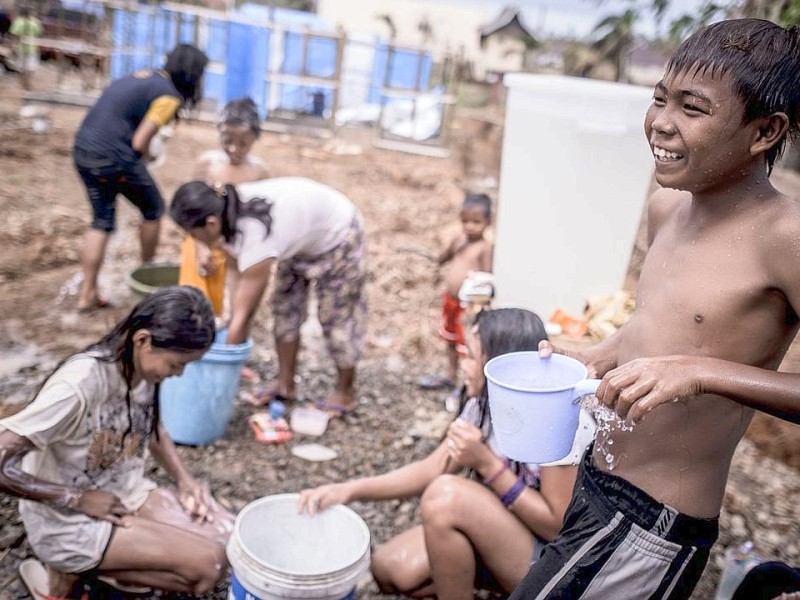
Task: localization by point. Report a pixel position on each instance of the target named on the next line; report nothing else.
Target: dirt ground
(407, 200)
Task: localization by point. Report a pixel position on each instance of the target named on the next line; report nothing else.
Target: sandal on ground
(262, 397)
(436, 382)
(98, 304)
(334, 410)
(34, 576)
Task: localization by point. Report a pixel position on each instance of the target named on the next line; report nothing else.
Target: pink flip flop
(34, 576)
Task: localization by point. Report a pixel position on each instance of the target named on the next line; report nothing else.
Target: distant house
(506, 42)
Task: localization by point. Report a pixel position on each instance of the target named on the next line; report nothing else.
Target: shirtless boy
(468, 251)
(717, 309)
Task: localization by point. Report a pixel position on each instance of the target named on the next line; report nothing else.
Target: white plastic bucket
(276, 552)
(533, 403)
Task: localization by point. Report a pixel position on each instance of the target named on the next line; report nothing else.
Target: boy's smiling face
(695, 129)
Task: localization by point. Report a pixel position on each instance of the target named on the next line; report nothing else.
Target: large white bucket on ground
(276, 552)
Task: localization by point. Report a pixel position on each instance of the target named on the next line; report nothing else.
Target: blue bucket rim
(295, 497)
(534, 353)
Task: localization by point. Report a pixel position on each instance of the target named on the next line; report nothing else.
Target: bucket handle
(585, 387)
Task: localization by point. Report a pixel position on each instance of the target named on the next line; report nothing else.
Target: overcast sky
(577, 18)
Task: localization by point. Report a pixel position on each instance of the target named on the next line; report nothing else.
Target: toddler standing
(467, 252)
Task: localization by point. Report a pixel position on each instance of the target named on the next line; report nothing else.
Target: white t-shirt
(77, 422)
(308, 219)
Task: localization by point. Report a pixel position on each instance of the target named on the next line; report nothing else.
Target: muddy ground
(407, 200)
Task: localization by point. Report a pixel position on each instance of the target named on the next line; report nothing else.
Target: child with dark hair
(76, 458)
(239, 127)
(111, 150)
(309, 232)
(479, 530)
(718, 305)
(467, 252)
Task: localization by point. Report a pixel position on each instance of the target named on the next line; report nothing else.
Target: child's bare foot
(262, 396)
(338, 404)
(91, 305)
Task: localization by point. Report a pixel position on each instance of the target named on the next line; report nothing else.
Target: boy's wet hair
(762, 60)
(481, 201)
(186, 65)
(241, 112)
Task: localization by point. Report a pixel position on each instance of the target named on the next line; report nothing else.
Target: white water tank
(576, 169)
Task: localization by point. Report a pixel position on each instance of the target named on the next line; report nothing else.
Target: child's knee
(205, 573)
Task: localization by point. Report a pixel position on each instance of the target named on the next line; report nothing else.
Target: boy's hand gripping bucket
(534, 403)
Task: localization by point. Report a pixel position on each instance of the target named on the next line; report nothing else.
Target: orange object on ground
(571, 326)
(268, 430)
(213, 284)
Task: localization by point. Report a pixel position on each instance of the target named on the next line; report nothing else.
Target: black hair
(241, 112)
(762, 60)
(195, 201)
(481, 201)
(186, 65)
(179, 318)
(502, 331)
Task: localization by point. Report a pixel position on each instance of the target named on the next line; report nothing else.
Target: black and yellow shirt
(108, 128)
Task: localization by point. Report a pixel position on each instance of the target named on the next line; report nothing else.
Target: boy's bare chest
(708, 296)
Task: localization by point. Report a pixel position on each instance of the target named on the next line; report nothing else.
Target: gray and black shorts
(619, 542)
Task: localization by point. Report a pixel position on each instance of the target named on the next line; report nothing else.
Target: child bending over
(239, 128)
(718, 305)
(468, 251)
(76, 458)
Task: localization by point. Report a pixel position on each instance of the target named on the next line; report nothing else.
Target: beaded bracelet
(513, 493)
(493, 477)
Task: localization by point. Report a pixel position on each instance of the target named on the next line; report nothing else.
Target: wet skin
(720, 281)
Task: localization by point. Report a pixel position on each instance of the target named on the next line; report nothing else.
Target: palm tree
(616, 37)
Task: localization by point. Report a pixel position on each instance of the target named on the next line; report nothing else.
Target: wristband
(513, 493)
(493, 477)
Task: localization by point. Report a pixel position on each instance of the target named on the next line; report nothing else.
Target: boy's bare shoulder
(663, 203)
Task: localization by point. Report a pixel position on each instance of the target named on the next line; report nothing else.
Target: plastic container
(197, 406)
(276, 552)
(149, 278)
(308, 421)
(575, 174)
(738, 562)
(533, 403)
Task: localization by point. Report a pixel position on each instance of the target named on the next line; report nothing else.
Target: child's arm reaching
(453, 248)
(599, 359)
(637, 387)
(193, 494)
